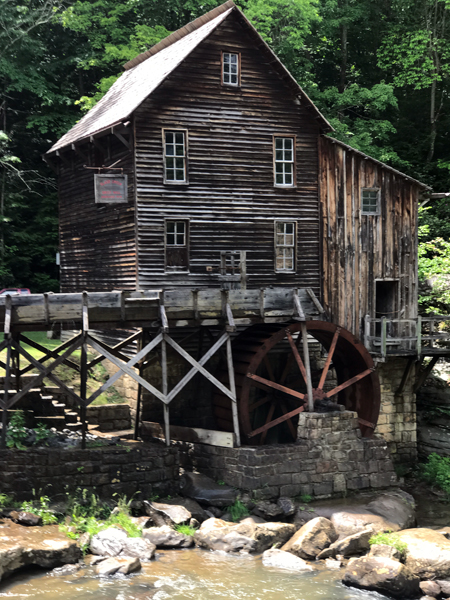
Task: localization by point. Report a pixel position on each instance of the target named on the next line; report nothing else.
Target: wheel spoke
(289, 422)
(348, 383)
(269, 416)
(277, 421)
(259, 403)
(269, 368)
(275, 386)
(329, 358)
(289, 363)
(296, 354)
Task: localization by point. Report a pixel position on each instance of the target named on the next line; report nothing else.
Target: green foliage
(41, 509)
(305, 498)
(5, 500)
(125, 522)
(436, 471)
(238, 510)
(390, 539)
(16, 433)
(185, 529)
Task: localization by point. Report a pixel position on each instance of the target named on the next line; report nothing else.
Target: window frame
(175, 130)
(292, 137)
(222, 72)
(177, 268)
(378, 208)
(294, 246)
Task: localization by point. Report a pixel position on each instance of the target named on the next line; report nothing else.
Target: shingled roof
(148, 70)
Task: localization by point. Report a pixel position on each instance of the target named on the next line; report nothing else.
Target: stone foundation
(146, 468)
(110, 417)
(397, 420)
(329, 459)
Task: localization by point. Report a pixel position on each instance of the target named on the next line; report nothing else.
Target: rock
(385, 551)
(108, 542)
(357, 519)
(213, 511)
(428, 554)
(267, 510)
(84, 539)
(197, 512)
(445, 531)
(430, 588)
(358, 543)
(206, 491)
(330, 563)
(382, 575)
(397, 507)
(41, 546)
(65, 570)
(311, 539)
(286, 505)
(142, 522)
(118, 565)
(138, 547)
(25, 518)
(194, 524)
(247, 536)
(252, 519)
(166, 514)
(284, 560)
(166, 537)
(445, 586)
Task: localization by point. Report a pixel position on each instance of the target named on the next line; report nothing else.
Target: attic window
(230, 68)
(175, 156)
(284, 161)
(370, 201)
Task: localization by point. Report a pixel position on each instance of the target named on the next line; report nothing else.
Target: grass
(96, 377)
(390, 539)
(185, 530)
(238, 510)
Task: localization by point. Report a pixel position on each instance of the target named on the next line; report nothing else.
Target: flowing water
(187, 575)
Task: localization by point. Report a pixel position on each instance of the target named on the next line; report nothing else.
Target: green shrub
(436, 471)
(238, 510)
(185, 529)
(16, 433)
(389, 539)
(6, 500)
(41, 509)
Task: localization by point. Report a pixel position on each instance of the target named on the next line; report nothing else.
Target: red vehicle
(14, 291)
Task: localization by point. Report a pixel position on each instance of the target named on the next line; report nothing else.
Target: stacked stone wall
(397, 419)
(329, 459)
(110, 417)
(146, 468)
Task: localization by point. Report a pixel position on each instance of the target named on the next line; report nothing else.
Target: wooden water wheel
(271, 379)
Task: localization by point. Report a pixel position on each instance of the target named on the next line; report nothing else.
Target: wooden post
(165, 389)
(419, 336)
(367, 343)
(307, 366)
(141, 344)
(5, 393)
(84, 369)
(383, 336)
(243, 269)
(234, 409)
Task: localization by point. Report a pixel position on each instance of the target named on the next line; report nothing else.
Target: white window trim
(294, 246)
(222, 74)
(185, 157)
(187, 245)
(378, 209)
(293, 162)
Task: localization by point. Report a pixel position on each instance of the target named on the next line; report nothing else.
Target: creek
(187, 575)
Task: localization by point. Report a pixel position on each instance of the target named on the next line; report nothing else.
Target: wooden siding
(97, 241)
(231, 199)
(359, 249)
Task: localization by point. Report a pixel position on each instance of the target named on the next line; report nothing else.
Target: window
(176, 244)
(230, 68)
(284, 151)
(284, 246)
(175, 156)
(370, 201)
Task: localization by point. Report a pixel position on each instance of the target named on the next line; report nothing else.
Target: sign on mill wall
(110, 189)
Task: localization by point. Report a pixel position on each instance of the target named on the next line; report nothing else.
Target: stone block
(323, 489)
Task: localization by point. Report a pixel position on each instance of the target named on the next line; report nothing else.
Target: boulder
(206, 491)
(192, 506)
(286, 505)
(428, 554)
(445, 531)
(267, 510)
(385, 551)
(166, 537)
(352, 545)
(311, 539)
(25, 518)
(41, 546)
(382, 575)
(166, 514)
(284, 560)
(247, 536)
(430, 588)
(108, 542)
(142, 522)
(330, 563)
(138, 547)
(358, 518)
(397, 507)
(113, 565)
(65, 570)
(445, 586)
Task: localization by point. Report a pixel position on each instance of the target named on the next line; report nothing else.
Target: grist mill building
(206, 180)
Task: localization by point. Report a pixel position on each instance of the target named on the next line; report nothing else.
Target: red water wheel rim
(358, 387)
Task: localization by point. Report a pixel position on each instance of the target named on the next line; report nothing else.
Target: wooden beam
(121, 138)
(425, 372)
(298, 307)
(47, 353)
(348, 383)
(307, 366)
(276, 386)
(270, 424)
(234, 408)
(165, 385)
(76, 149)
(409, 364)
(115, 349)
(5, 395)
(315, 300)
(194, 435)
(329, 357)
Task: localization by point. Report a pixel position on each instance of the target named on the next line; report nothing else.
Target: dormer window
(230, 68)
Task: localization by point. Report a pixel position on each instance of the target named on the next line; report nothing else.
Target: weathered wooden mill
(203, 187)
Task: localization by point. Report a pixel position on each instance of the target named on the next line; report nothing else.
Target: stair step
(59, 408)
(71, 416)
(55, 421)
(74, 426)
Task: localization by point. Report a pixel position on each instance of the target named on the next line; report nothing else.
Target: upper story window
(284, 161)
(285, 246)
(230, 68)
(177, 245)
(370, 201)
(175, 155)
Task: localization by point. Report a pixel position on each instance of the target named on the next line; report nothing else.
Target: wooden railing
(422, 335)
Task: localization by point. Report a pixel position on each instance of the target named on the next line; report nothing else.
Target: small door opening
(386, 299)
